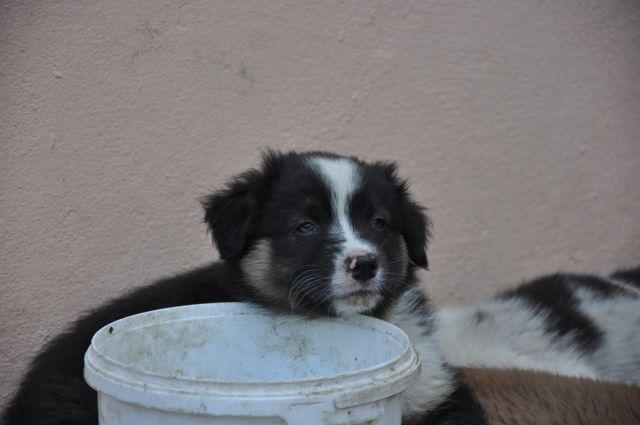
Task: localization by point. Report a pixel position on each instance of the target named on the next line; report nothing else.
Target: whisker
(302, 286)
(301, 267)
(402, 260)
(303, 293)
(384, 241)
(320, 295)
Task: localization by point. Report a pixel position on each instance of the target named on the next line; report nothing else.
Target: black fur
(232, 214)
(554, 295)
(629, 276)
(416, 226)
(54, 392)
(263, 204)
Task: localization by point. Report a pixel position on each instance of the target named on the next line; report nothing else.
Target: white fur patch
(618, 358)
(343, 178)
(436, 381)
(506, 334)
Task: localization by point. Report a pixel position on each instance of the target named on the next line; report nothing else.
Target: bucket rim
(392, 376)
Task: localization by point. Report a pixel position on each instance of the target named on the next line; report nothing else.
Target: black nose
(362, 267)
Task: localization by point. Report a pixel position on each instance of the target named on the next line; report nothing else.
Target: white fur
(510, 335)
(343, 178)
(618, 358)
(437, 380)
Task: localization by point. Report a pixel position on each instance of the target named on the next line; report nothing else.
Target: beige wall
(518, 122)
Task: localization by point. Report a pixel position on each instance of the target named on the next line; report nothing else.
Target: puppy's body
(313, 234)
(575, 325)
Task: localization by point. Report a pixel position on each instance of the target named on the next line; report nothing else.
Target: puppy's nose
(362, 267)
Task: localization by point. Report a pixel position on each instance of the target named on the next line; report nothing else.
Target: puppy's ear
(416, 232)
(416, 229)
(231, 213)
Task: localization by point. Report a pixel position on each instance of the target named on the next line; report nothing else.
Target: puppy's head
(318, 233)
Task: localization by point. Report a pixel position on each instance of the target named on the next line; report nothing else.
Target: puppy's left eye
(379, 223)
(306, 228)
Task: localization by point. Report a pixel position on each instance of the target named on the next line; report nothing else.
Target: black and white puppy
(311, 234)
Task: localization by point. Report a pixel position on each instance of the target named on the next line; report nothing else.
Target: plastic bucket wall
(230, 363)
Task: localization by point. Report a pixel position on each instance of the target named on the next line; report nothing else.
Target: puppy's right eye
(307, 227)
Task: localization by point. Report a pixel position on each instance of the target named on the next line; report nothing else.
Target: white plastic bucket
(230, 363)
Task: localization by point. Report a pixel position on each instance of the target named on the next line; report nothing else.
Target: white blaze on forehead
(343, 178)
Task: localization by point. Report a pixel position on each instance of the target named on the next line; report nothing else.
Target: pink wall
(518, 122)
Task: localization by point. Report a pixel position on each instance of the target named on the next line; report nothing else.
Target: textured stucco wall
(518, 122)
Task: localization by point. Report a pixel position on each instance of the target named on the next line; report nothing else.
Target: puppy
(313, 234)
